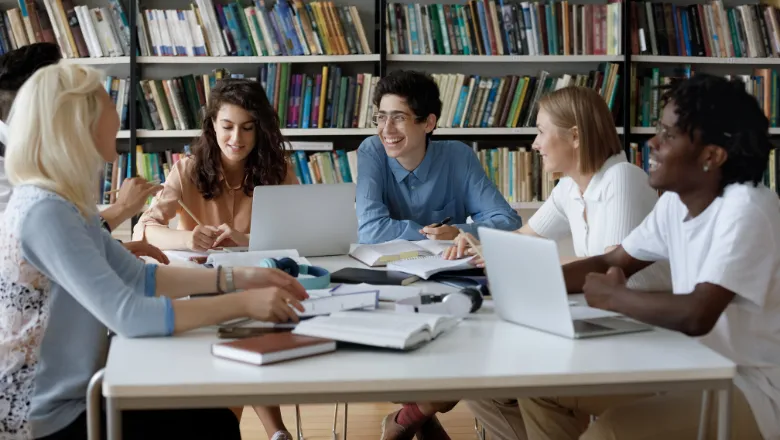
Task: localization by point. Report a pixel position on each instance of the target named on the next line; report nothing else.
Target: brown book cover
(75, 28)
(272, 347)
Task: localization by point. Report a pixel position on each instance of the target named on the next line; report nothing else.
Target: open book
(384, 253)
(425, 267)
(401, 331)
(252, 258)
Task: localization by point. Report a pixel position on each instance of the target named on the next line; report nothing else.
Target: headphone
(458, 304)
(321, 276)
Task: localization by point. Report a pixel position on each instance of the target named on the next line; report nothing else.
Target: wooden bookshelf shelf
(701, 60)
(260, 60)
(507, 58)
(102, 61)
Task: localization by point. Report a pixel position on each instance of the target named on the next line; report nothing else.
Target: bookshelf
(377, 49)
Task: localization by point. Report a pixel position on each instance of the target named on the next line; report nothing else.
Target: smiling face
(236, 133)
(557, 146)
(676, 163)
(106, 127)
(399, 130)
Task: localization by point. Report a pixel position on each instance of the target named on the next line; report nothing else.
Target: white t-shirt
(734, 243)
(5, 186)
(617, 199)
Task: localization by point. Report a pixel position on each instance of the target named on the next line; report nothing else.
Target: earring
(706, 167)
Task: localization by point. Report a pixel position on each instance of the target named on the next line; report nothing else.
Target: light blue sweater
(95, 285)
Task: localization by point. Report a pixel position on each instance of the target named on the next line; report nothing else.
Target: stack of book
(288, 28)
(489, 27)
(81, 32)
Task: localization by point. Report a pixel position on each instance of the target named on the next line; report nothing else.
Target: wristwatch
(231, 287)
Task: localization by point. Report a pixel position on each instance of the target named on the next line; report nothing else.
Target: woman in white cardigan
(599, 200)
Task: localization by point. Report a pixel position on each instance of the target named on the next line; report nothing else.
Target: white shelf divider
(651, 130)
(701, 60)
(102, 61)
(496, 131)
(526, 205)
(123, 134)
(259, 60)
(506, 58)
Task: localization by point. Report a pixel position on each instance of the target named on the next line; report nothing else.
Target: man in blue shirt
(407, 184)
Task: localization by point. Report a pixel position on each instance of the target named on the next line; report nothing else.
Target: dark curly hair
(417, 88)
(722, 113)
(265, 165)
(18, 65)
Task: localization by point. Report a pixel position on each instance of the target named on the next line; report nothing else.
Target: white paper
(252, 258)
(386, 293)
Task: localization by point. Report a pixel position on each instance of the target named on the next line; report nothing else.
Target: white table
(482, 358)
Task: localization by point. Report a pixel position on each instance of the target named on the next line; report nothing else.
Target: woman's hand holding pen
(203, 238)
(462, 249)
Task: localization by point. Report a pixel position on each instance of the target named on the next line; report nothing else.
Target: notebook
(425, 267)
(386, 293)
(400, 331)
(251, 258)
(356, 275)
(271, 348)
(384, 253)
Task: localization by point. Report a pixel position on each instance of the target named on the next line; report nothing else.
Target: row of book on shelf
(490, 27)
(645, 109)
(80, 31)
(287, 28)
(331, 99)
(705, 29)
(517, 172)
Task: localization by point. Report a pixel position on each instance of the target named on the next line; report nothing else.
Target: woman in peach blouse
(240, 148)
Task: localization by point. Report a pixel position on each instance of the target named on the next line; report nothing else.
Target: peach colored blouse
(232, 206)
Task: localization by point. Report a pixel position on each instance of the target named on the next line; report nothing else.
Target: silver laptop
(316, 220)
(527, 285)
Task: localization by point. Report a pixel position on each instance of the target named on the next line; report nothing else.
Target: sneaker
(391, 430)
(282, 435)
(432, 430)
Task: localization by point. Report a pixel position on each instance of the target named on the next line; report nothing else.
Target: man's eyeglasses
(380, 119)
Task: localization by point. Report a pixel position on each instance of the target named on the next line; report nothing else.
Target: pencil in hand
(190, 213)
(472, 244)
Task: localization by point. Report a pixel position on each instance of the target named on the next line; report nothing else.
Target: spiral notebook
(425, 267)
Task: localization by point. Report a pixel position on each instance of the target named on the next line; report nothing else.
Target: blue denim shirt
(393, 203)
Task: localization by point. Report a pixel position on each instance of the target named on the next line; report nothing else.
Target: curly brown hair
(265, 165)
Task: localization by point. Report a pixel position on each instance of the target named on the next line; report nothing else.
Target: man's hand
(256, 277)
(230, 237)
(134, 193)
(144, 249)
(445, 232)
(600, 288)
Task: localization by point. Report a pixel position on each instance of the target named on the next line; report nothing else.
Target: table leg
(113, 420)
(724, 414)
(706, 398)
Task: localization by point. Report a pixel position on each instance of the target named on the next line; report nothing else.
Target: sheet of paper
(252, 258)
(386, 293)
(435, 247)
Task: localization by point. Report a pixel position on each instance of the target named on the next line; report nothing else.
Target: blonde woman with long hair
(599, 201)
(64, 281)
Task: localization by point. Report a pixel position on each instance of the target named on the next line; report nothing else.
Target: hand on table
(600, 288)
(462, 249)
(144, 249)
(270, 294)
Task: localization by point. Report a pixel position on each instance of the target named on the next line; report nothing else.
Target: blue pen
(335, 287)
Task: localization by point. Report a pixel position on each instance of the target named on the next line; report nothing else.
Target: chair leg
(298, 423)
(346, 408)
(93, 405)
(479, 429)
(335, 421)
